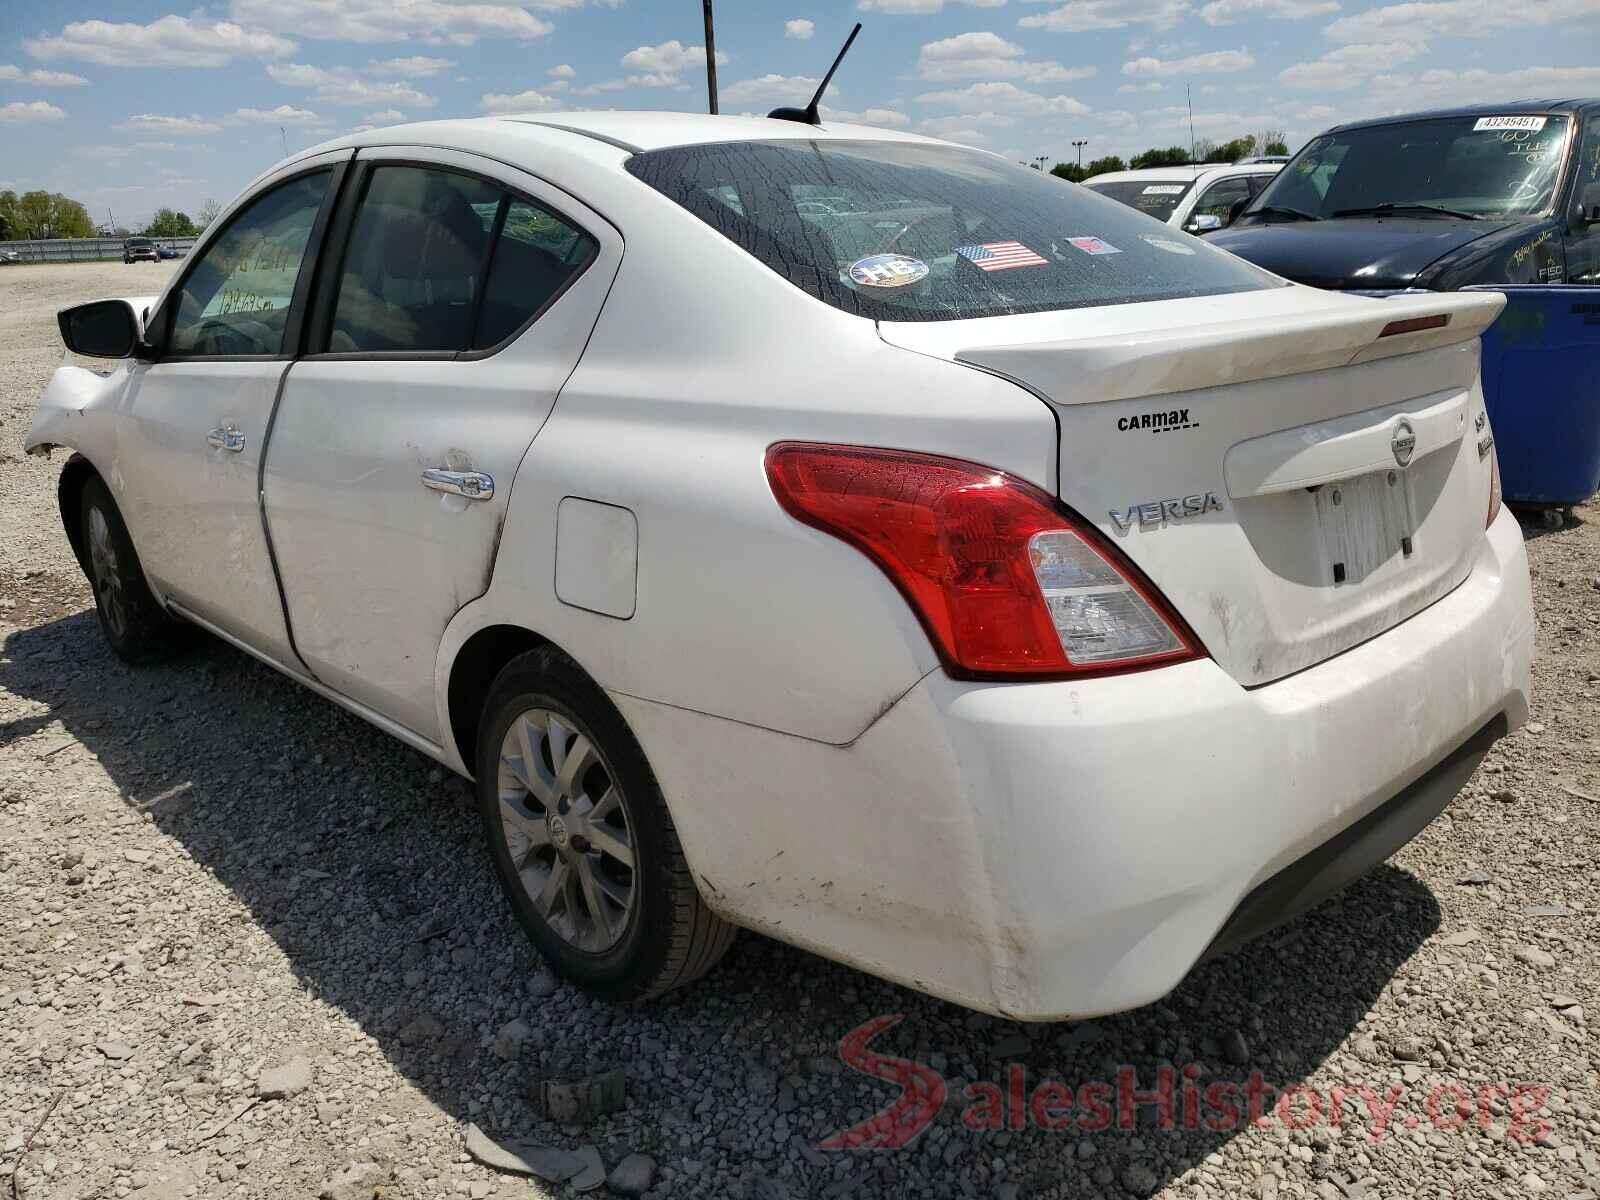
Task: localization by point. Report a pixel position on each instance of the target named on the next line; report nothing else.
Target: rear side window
(441, 262)
(538, 254)
(899, 231)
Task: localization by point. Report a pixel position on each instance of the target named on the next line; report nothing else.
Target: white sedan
(832, 532)
(1196, 199)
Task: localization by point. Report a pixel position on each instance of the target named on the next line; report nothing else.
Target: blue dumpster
(1541, 385)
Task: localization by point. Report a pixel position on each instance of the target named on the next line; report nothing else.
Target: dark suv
(140, 249)
(1492, 194)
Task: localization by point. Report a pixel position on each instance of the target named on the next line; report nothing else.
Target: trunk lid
(1246, 452)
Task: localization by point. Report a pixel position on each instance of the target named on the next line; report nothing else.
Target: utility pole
(284, 138)
(1038, 163)
(711, 61)
(1080, 143)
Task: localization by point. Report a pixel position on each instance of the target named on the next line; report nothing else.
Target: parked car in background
(1196, 199)
(820, 529)
(1264, 158)
(168, 252)
(140, 249)
(1487, 194)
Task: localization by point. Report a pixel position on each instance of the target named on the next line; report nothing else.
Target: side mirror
(1589, 204)
(1204, 223)
(101, 329)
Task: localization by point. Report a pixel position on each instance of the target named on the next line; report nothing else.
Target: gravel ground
(252, 947)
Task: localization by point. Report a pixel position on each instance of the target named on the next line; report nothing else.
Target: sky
(130, 105)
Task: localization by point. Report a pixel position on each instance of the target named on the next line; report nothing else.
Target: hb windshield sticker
(1496, 124)
(1093, 245)
(1164, 189)
(887, 270)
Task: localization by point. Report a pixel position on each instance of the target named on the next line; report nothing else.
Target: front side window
(1477, 166)
(1218, 199)
(236, 299)
(899, 231)
(1158, 198)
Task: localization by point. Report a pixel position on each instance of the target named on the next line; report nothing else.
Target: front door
(464, 299)
(1583, 235)
(187, 474)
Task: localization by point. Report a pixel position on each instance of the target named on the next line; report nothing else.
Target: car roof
(1505, 108)
(1188, 172)
(640, 131)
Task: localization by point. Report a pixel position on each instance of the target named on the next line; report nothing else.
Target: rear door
(196, 420)
(459, 303)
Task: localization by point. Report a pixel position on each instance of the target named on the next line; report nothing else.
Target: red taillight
(1415, 325)
(1005, 582)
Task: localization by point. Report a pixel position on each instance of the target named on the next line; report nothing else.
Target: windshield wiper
(1381, 210)
(1280, 211)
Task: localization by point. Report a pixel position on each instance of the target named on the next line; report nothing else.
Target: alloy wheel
(567, 829)
(107, 573)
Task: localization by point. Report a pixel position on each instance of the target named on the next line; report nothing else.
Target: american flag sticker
(1000, 256)
(1093, 245)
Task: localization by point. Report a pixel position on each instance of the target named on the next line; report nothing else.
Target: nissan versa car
(827, 531)
(1502, 193)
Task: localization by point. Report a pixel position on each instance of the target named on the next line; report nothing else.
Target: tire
(135, 625)
(559, 847)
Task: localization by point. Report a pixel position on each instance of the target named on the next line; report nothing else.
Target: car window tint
(414, 262)
(902, 231)
(537, 255)
(1217, 199)
(236, 299)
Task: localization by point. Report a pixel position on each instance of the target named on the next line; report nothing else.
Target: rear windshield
(1488, 165)
(898, 231)
(1157, 197)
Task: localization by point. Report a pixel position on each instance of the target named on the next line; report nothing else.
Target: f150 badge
(1153, 514)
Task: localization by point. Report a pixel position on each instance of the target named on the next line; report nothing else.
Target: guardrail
(79, 249)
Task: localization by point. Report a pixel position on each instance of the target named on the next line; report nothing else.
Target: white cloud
(440, 22)
(1003, 97)
(415, 66)
(970, 130)
(884, 118)
(1226, 12)
(387, 116)
(661, 66)
(15, 74)
(342, 86)
(920, 8)
(182, 126)
(769, 91)
(1143, 87)
(284, 114)
(1418, 22)
(171, 41)
(1084, 16)
(25, 112)
(985, 55)
(561, 71)
(1387, 94)
(1216, 62)
(496, 103)
(1348, 66)
(800, 30)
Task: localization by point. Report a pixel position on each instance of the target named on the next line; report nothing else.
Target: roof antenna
(809, 114)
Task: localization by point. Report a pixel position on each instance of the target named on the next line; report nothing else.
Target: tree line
(40, 215)
(1206, 150)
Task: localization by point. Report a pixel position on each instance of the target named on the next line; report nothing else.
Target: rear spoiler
(1185, 358)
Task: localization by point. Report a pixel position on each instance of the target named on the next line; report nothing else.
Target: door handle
(474, 485)
(226, 438)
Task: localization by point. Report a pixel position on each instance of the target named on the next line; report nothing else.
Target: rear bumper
(1049, 850)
